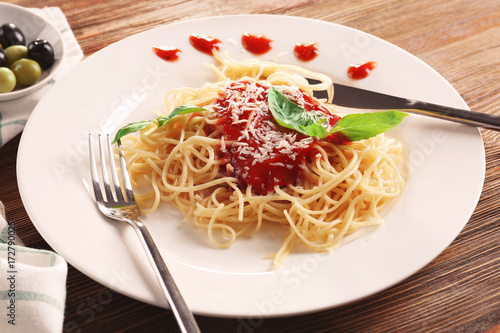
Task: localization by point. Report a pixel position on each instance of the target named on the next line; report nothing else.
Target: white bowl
(33, 26)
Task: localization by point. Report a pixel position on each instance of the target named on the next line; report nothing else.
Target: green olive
(27, 71)
(15, 52)
(7, 80)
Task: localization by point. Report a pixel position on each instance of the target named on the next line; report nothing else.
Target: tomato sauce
(361, 70)
(306, 52)
(256, 44)
(167, 53)
(205, 43)
(258, 151)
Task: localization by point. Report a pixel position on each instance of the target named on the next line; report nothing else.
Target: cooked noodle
(342, 188)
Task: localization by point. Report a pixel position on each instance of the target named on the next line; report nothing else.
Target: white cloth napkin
(32, 281)
(14, 114)
(32, 285)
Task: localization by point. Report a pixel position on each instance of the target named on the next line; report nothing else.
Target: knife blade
(352, 97)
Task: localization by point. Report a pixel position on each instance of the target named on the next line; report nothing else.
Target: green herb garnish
(160, 121)
(356, 126)
(360, 126)
(183, 109)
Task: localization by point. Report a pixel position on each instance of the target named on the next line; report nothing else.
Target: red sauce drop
(256, 44)
(266, 154)
(306, 52)
(167, 52)
(205, 43)
(361, 70)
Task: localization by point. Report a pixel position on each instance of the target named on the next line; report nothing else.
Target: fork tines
(106, 183)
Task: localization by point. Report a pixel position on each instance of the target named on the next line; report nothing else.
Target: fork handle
(185, 318)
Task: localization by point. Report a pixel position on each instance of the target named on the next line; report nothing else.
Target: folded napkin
(32, 281)
(15, 113)
(32, 285)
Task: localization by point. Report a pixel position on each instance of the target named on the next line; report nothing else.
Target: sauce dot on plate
(256, 44)
(167, 53)
(205, 43)
(361, 70)
(306, 52)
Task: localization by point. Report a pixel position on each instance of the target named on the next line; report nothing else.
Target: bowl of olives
(31, 51)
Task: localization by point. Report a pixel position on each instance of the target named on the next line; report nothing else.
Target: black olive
(42, 52)
(3, 58)
(10, 34)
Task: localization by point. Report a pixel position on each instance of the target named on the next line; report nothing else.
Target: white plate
(33, 26)
(127, 82)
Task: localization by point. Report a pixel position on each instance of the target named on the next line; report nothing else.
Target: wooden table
(457, 292)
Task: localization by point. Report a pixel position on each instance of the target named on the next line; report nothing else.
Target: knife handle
(461, 116)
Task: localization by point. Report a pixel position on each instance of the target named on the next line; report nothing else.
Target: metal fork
(120, 205)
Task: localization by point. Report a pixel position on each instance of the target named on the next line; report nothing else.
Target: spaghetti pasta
(318, 190)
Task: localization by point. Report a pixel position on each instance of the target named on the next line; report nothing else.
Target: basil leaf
(160, 121)
(354, 126)
(362, 126)
(130, 128)
(287, 113)
(183, 109)
(315, 130)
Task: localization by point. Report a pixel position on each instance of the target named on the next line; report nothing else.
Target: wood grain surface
(459, 291)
